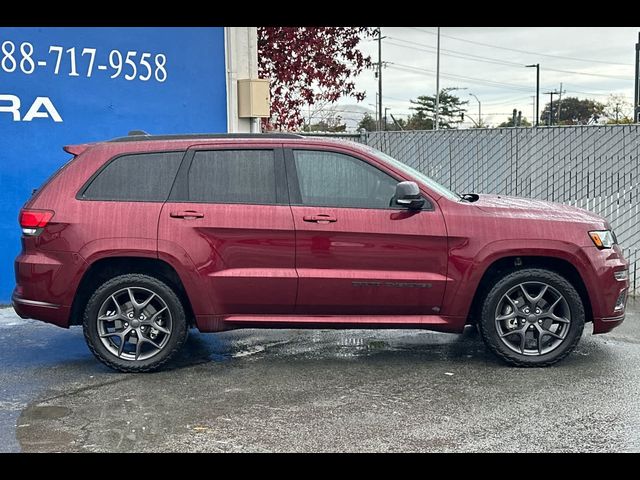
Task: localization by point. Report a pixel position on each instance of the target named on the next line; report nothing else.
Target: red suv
(142, 237)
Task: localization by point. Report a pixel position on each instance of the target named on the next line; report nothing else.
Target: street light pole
(479, 110)
(379, 78)
(555, 92)
(438, 83)
(537, 65)
(636, 105)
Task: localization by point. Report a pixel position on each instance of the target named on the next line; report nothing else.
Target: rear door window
(233, 176)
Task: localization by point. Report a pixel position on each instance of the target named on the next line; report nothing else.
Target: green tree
(419, 121)
(451, 111)
(573, 111)
(509, 123)
(367, 123)
(398, 124)
(333, 125)
(618, 110)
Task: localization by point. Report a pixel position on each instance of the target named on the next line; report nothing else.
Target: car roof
(139, 136)
(140, 140)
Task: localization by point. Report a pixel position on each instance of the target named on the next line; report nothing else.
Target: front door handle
(186, 214)
(320, 218)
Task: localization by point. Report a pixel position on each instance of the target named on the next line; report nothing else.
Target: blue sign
(61, 86)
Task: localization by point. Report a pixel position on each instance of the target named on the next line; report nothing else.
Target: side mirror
(408, 195)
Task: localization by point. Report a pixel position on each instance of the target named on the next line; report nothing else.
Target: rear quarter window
(141, 177)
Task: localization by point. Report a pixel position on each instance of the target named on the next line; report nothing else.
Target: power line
(480, 58)
(522, 51)
(395, 98)
(490, 83)
(601, 93)
(454, 53)
(507, 101)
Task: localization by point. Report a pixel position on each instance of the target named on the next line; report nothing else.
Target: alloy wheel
(134, 323)
(532, 318)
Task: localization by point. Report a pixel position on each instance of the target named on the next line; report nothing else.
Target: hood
(537, 209)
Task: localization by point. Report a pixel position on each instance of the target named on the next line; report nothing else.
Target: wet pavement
(318, 390)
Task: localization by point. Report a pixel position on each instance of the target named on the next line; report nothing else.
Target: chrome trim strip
(613, 319)
(34, 303)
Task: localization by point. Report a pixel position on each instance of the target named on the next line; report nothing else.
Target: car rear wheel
(532, 318)
(134, 323)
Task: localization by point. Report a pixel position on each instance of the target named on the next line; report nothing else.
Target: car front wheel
(532, 318)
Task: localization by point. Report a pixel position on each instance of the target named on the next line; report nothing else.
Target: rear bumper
(47, 312)
(46, 283)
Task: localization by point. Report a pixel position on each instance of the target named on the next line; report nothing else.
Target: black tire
(489, 329)
(176, 337)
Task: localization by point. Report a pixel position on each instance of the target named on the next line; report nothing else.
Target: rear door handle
(320, 218)
(186, 214)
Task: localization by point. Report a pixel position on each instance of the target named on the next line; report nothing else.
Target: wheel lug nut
(126, 324)
(130, 315)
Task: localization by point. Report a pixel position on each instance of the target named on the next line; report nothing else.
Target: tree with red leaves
(307, 65)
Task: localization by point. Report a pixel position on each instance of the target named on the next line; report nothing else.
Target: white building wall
(242, 62)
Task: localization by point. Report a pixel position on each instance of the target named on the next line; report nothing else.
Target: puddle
(47, 412)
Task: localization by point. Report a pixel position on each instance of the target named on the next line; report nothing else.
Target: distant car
(140, 238)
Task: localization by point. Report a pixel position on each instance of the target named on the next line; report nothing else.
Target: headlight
(603, 238)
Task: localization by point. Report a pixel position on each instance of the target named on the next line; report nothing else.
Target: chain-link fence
(592, 167)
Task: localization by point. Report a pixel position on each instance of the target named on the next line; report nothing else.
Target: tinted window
(336, 180)
(233, 176)
(140, 177)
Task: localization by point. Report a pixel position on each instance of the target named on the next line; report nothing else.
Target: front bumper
(605, 289)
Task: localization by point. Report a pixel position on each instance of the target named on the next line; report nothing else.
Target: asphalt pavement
(318, 391)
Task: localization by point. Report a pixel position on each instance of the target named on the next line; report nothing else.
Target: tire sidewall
(576, 308)
(90, 322)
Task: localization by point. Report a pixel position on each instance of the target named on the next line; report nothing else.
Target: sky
(595, 62)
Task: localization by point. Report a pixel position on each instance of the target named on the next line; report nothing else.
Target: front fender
(466, 270)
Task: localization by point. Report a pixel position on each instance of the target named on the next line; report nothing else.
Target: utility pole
(385, 117)
(555, 92)
(559, 103)
(438, 83)
(533, 105)
(376, 107)
(379, 78)
(537, 65)
(479, 109)
(617, 112)
(636, 103)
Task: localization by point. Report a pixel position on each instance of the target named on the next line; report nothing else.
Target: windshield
(429, 182)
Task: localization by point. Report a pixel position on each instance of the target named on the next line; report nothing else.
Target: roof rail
(142, 136)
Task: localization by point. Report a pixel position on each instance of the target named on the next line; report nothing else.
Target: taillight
(33, 221)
